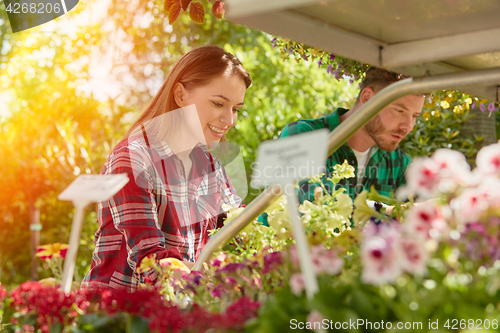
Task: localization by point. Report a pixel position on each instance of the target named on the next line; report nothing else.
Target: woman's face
(217, 103)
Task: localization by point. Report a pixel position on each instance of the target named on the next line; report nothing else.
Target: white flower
(469, 206)
(315, 319)
(488, 160)
(422, 218)
(325, 260)
(444, 171)
(380, 257)
(297, 284)
(414, 256)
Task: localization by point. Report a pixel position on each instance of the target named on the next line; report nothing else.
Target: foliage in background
(55, 130)
(445, 114)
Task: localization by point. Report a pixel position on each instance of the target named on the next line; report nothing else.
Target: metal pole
(74, 242)
(35, 228)
(345, 130)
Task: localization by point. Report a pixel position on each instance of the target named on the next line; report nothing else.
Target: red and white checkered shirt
(159, 211)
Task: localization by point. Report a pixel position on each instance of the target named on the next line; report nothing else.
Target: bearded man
(372, 150)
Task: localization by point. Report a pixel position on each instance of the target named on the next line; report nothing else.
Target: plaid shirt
(158, 212)
(385, 170)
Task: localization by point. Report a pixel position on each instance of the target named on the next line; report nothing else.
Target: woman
(176, 187)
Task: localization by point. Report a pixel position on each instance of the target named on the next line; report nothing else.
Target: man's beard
(375, 129)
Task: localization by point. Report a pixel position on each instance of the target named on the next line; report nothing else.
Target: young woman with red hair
(176, 186)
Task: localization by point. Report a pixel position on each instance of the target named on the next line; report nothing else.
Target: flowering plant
(53, 256)
(432, 262)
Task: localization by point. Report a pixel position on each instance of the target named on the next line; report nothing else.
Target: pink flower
(297, 284)
(469, 206)
(422, 218)
(326, 261)
(444, 171)
(315, 319)
(379, 255)
(488, 160)
(421, 177)
(414, 256)
(218, 260)
(3, 293)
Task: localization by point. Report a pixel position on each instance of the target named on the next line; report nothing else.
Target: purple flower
(320, 62)
(274, 44)
(481, 107)
(274, 39)
(473, 105)
(218, 260)
(304, 57)
(233, 267)
(272, 261)
(230, 280)
(491, 107)
(332, 56)
(329, 69)
(217, 291)
(194, 277)
(351, 81)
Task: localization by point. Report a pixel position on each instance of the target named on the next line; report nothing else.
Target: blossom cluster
(51, 306)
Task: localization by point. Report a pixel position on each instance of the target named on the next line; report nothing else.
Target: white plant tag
(94, 188)
(289, 159)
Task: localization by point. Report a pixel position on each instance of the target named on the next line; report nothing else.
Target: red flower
(3, 293)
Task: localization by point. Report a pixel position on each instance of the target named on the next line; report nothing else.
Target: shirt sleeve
(134, 210)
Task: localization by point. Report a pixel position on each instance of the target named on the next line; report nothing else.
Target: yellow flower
(231, 212)
(362, 212)
(343, 205)
(48, 282)
(52, 250)
(146, 264)
(173, 263)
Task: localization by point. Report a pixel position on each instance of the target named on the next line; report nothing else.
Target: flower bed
(433, 265)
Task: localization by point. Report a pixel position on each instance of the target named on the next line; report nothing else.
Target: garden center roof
(414, 37)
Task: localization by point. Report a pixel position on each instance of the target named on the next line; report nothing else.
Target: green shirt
(384, 170)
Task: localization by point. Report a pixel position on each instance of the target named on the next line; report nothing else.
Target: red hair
(196, 68)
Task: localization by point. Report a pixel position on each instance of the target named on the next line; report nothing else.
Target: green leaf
(137, 325)
(56, 328)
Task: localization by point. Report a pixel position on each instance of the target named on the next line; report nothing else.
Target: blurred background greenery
(71, 88)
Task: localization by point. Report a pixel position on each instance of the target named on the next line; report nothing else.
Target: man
(373, 150)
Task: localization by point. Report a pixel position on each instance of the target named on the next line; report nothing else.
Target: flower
(175, 264)
(314, 320)
(320, 62)
(54, 250)
(297, 284)
(3, 293)
(414, 256)
(147, 263)
(48, 282)
(363, 212)
(380, 256)
(488, 160)
(325, 260)
(272, 261)
(444, 171)
(481, 107)
(217, 261)
(422, 218)
(469, 206)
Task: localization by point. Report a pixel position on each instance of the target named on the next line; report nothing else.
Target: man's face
(395, 121)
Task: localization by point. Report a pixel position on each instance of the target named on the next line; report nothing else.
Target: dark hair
(196, 68)
(378, 79)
